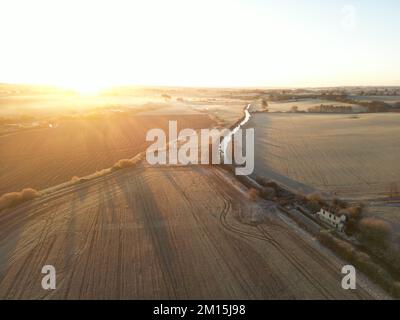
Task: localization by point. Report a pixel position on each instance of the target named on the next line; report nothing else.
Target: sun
(87, 89)
(86, 85)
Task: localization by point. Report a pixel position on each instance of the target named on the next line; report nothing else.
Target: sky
(89, 45)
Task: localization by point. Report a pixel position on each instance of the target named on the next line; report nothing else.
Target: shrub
(12, 199)
(100, 173)
(325, 238)
(253, 194)
(360, 259)
(354, 212)
(313, 206)
(345, 249)
(262, 181)
(314, 202)
(391, 254)
(396, 289)
(316, 198)
(364, 261)
(350, 227)
(375, 229)
(123, 163)
(375, 271)
(338, 203)
(268, 193)
(264, 103)
(272, 184)
(75, 179)
(300, 198)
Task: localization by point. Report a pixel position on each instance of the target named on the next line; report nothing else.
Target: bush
(316, 198)
(123, 163)
(253, 194)
(375, 271)
(100, 173)
(350, 227)
(313, 206)
(75, 179)
(12, 199)
(262, 181)
(314, 202)
(354, 212)
(364, 261)
(374, 229)
(268, 193)
(272, 184)
(345, 249)
(361, 260)
(325, 238)
(391, 255)
(300, 198)
(396, 289)
(264, 103)
(338, 203)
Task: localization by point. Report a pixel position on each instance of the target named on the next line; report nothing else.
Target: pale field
(304, 104)
(164, 233)
(348, 156)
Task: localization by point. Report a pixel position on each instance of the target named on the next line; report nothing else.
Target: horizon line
(105, 88)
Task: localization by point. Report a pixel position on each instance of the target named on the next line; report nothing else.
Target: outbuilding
(334, 220)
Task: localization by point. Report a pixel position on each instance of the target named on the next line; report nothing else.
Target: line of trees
(330, 109)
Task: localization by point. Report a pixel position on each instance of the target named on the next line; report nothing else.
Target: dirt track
(162, 232)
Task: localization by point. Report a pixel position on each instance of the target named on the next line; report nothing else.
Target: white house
(334, 220)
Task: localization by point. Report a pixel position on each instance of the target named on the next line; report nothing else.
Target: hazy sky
(90, 44)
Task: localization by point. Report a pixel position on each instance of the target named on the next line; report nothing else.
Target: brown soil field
(44, 157)
(164, 232)
(349, 156)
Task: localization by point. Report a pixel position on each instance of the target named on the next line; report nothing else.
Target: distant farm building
(334, 220)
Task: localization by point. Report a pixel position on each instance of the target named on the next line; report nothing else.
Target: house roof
(332, 210)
